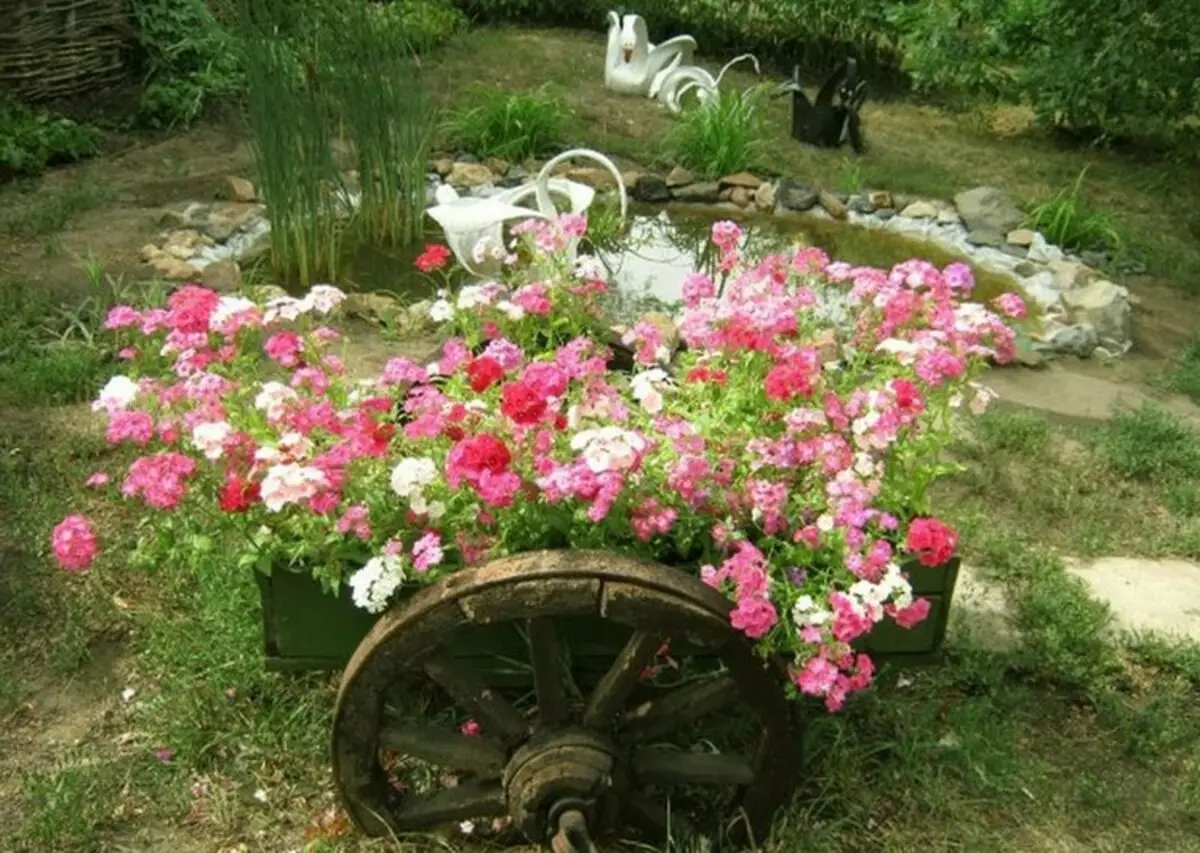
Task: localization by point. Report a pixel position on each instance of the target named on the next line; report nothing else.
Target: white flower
(983, 397)
(116, 395)
(805, 612)
(589, 266)
(413, 474)
(609, 448)
(373, 584)
(227, 308)
(441, 311)
(825, 523)
(471, 296)
(905, 351)
(286, 308)
(510, 310)
(289, 483)
(273, 399)
(646, 389)
(323, 298)
(210, 437)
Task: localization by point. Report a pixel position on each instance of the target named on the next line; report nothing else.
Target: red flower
(522, 403)
(908, 396)
(478, 454)
(705, 374)
(483, 373)
(433, 258)
(931, 541)
(238, 494)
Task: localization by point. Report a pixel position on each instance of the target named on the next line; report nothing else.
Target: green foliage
(1066, 221)
(721, 136)
(1185, 378)
(422, 24)
(31, 140)
(1104, 68)
(1152, 444)
(186, 57)
(348, 73)
(492, 123)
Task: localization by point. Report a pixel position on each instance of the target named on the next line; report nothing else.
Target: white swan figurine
(632, 64)
(468, 221)
(670, 88)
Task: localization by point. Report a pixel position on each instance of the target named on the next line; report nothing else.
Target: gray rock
(1015, 251)
(1079, 339)
(1095, 259)
(1069, 275)
(858, 204)
(885, 214)
(988, 211)
(1043, 252)
(765, 196)
(679, 177)
(1021, 237)
(1025, 269)
(706, 192)
(469, 175)
(947, 217)
(1104, 306)
(920, 210)
(795, 196)
(652, 188)
(222, 276)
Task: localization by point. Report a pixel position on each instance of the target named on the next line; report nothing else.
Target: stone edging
(1082, 311)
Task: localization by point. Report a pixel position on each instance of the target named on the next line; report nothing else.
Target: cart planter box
(306, 628)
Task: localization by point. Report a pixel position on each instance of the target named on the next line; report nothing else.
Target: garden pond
(653, 252)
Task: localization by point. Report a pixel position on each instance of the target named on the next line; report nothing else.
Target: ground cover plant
(31, 140)
(511, 126)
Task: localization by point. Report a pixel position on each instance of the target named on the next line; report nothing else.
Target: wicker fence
(60, 48)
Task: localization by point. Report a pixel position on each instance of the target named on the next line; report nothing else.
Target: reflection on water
(662, 247)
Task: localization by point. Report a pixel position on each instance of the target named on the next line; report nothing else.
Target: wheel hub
(573, 770)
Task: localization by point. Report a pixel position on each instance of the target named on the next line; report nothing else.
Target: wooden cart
(548, 653)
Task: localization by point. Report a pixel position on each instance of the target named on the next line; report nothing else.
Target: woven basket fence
(61, 48)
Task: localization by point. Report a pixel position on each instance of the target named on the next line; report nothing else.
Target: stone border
(1082, 311)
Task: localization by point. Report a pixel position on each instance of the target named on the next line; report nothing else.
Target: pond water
(658, 248)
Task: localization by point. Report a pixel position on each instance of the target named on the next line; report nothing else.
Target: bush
(719, 137)
(31, 140)
(424, 24)
(1126, 70)
(509, 126)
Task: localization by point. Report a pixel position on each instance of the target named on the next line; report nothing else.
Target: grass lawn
(135, 714)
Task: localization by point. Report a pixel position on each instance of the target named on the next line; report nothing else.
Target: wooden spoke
(450, 805)
(614, 688)
(679, 708)
(656, 819)
(670, 767)
(544, 652)
(497, 717)
(445, 749)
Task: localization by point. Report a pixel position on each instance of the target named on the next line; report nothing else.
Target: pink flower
(354, 520)
(284, 348)
(427, 551)
(470, 728)
(290, 483)
(122, 316)
(74, 543)
(160, 480)
(914, 614)
(697, 287)
(1011, 305)
(816, 677)
(135, 427)
(100, 478)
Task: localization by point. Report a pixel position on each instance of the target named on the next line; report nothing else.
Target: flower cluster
(783, 457)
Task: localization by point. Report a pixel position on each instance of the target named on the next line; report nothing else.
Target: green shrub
(510, 126)
(423, 24)
(187, 58)
(31, 140)
(1066, 221)
(719, 137)
(1087, 65)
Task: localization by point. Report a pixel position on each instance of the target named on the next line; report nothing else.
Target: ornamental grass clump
(784, 457)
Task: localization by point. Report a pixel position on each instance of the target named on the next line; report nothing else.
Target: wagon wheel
(576, 765)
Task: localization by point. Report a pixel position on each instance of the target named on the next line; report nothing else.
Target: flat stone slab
(1159, 596)
(1075, 395)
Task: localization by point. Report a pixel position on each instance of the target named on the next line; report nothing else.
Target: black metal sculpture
(832, 119)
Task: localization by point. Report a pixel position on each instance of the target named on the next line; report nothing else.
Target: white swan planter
(634, 66)
(474, 227)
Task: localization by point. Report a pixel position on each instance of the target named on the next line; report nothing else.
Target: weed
(1185, 378)
(510, 126)
(1013, 432)
(49, 214)
(851, 177)
(65, 806)
(1151, 444)
(1066, 221)
(720, 136)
